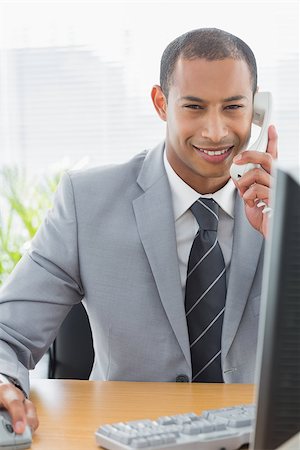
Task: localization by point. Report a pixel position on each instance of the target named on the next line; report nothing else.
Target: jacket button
(182, 379)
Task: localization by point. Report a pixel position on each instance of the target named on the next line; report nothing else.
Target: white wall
(75, 77)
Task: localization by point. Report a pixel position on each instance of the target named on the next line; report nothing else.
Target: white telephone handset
(262, 109)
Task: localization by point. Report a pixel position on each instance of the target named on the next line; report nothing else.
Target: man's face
(208, 115)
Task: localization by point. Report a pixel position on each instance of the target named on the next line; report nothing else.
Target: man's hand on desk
(21, 410)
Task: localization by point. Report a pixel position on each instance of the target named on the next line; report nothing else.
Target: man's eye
(234, 107)
(194, 106)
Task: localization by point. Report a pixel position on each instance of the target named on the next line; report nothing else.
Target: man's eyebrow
(192, 98)
(235, 98)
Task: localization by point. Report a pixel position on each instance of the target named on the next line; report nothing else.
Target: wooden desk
(71, 411)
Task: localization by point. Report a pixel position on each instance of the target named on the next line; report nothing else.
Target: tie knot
(206, 212)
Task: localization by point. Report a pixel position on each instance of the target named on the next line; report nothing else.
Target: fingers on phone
(254, 157)
(273, 142)
(257, 194)
(254, 177)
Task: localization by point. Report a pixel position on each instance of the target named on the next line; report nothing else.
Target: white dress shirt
(186, 226)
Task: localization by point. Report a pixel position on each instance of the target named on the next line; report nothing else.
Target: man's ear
(159, 101)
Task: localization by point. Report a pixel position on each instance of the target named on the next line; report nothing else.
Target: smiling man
(208, 112)
(165, 251)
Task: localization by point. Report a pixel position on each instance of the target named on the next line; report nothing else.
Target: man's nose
(214, 127)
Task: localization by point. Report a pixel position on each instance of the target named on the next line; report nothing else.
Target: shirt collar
(183, 196)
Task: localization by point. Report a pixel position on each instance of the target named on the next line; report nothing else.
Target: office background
(75, 82)
(75, 77)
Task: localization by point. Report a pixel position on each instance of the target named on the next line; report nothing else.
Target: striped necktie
(205, 294)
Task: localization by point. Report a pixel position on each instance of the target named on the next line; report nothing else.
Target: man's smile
(214, 154)
(214, 150)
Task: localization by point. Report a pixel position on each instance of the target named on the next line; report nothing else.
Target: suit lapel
(247, 245)
(155, 222)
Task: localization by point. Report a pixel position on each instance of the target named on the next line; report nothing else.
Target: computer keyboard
(215, 429)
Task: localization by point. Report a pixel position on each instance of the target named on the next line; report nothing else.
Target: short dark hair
(207, 43)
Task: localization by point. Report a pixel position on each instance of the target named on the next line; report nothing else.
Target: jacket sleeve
(41, 290)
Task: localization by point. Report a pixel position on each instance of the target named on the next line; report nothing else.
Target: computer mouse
(9, 440)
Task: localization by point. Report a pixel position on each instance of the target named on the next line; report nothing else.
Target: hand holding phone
(262, 117)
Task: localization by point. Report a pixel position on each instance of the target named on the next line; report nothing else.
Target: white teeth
(212, 153)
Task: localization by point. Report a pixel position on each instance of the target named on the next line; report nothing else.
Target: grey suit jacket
(110, 241)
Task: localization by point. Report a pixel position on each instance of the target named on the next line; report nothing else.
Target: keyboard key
(165, 420)
(139, 443)
(139, 423)
(192, 429)
(155, 440)
(169, 438)
(219, 425)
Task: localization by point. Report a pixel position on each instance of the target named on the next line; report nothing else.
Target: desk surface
(71, 411)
